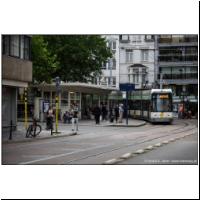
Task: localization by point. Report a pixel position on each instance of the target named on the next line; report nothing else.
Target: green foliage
(72, 57)
(44, 63)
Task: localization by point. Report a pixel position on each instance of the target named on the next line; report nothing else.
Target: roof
(76, 87)
(161, 90)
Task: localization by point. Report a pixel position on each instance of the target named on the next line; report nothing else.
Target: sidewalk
(64, 129)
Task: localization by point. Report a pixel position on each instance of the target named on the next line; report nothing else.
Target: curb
(124, 125)
(37, 138)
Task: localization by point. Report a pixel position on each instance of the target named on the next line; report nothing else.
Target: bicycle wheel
(36, 130)
(29, 130)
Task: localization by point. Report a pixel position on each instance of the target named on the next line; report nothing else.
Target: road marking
(172, 140)
(127, 155)
(61, 155)
(139, 151)
(112, 161)
(158, 145)
(149, 148)
(165, 142)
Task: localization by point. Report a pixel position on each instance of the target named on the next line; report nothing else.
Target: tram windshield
(162, 102)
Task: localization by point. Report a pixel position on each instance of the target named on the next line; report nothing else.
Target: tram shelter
(84, 95)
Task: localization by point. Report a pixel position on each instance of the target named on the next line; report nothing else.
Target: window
(145, 55)
(14, 45)
(162, 103)
(136, 76)
(104, 65)
(143, 75)
(6, 45)
(22, 47)
(112, 45)
(114, 81)
(26, 48)
(129, 55)
(111, 81)
(17, 46)
(124, 38)
(113, 63)
(149, 37)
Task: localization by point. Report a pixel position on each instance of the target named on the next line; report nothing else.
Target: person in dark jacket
(111, 115)
(97, 113)
(104, 112)
(116, 113)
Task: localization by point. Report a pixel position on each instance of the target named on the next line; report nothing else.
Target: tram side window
(145, 105)
(161, 103)
(134, 105)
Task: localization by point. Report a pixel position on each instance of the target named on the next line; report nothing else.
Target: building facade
(110, 69)
(137, 60)
(16, 74)
(178, 68)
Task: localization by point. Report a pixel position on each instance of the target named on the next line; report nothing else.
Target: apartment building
(137, 60)
(178, 68)
(16, 74)
(110, 69)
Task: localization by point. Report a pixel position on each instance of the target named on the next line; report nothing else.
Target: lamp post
(57, 80)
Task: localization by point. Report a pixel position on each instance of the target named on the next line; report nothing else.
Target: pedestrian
(121, 112)
(111, 116)
(97, 113)
(66, 117)
(75, 118)
(116, 113)
(180, 111)
(104, 112)
(49, 119)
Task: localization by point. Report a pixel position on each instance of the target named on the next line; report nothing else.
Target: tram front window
(161, 102)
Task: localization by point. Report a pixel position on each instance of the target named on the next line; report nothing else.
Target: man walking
(97, 113)
(75, 118)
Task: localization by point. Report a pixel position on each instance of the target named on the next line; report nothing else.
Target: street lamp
(58, 81)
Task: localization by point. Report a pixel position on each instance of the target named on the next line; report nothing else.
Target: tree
(80, 57)
(44, 63)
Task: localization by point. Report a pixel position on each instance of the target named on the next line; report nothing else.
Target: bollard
(10, 136)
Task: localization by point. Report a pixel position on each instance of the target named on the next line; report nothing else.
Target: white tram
(154, 105)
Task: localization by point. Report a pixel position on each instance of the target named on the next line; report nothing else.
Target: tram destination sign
(126, 87)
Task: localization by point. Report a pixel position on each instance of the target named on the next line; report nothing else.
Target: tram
(154, 105)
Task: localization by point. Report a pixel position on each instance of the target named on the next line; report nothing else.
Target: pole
(25, 110)
(126, 107)
(56, 114)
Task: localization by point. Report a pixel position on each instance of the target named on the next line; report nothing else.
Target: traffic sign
(126, 87)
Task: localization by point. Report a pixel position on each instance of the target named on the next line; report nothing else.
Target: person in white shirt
(121, 112)
(75, 119)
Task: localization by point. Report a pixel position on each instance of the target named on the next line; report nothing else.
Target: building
(16, 74)
(110, 69)
(137, 60)
(178, 68)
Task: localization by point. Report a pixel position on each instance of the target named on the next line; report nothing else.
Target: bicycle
(33, 129)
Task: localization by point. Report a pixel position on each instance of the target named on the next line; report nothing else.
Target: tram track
(137, 143)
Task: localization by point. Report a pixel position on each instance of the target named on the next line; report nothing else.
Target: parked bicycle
(34, 129)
